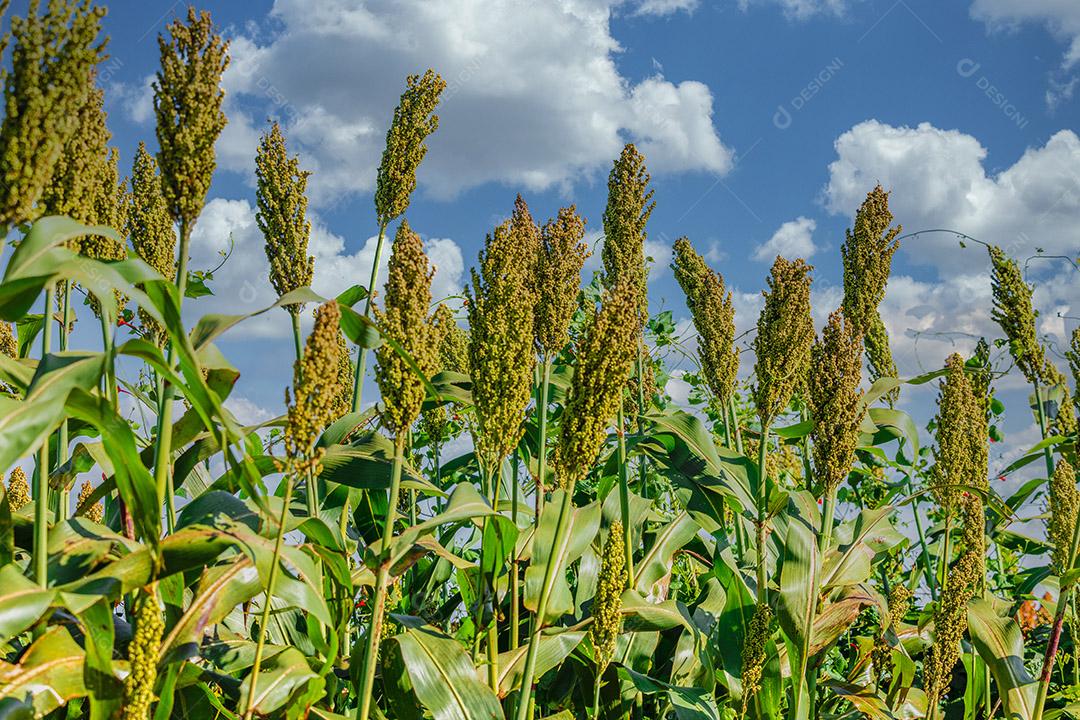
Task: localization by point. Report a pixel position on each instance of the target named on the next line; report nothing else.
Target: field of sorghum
(598, 553)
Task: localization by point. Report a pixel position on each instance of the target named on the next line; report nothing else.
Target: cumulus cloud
(242, 285)
(793, 239)
(1061, 17)
(802, 9)
(536, 109)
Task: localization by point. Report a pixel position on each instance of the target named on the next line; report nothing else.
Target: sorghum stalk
(782, 346)
(604, 357)
(315, 385)
(41, 495)
(414, 119)
(404, 320)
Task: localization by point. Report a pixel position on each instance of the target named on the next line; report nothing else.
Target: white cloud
(802, 9)
(793, 239)
(242, 284)
(938, 180)
(536, 109)
(666, 7)
(1061, 17)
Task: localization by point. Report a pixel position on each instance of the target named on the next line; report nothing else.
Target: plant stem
(271, 585)
(542, 405)
(762, 571)
(1042, 429)
(361, 361)
(382, 577)
(41, 499)
(561, 524)
(515, 600)
(828, 514)
(62, 444)
(642, 466)
(927, 568)
(624, 499)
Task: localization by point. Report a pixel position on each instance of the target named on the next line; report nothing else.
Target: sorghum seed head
(607, 603)
(629, 205)
(950, 624)
(867, 254)
(1064, 504)
(187, 104)
(8, 344)
(1073, 354)
(558, 279)
(346, 379)
(405, 149)
(711, 307)
(603, 359)
(835, 400)
(501, 303)
(1015, 314)
(282, 215)
(150, 228)
(45, 87)
(95, 512)
(405, 320)
(1063, 421)
(454, 348)
(960, 456)
(755, 652)
(881, 656)
(18, 490)
(143, 655)
(785, 334)
(316, 387)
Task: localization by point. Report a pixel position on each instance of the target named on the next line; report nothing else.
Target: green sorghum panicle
(45, 87)
(711, 307)
(1064, 504)
(76, 181)
(150, 227)
(881, 656)
(1073, 354)
(558, 279)
(785, 334)
(95, 512)
(18, 490)
(755, 652)
(607, 603)
(282, 215)
(405, 149)
(1063, 422)
(187, 103)
(603, 359)
(959, 421)
(8, 344)
(835, 400)
(316, 388)
(501, 302)
(143, 655)
(1015, 314)
(950, 624)
(345, 369)
(629, 205)
(867, 253)
(453, 356)
(404, 319)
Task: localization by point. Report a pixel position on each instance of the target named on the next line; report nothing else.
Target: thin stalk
(494, 483)
(804, 447)
(382, 577)
(515, 601)
(62, 445)
(271, 585)
(828, 514)
(596, 696)
(361, 361)
(542, 405)
(41, 497)
(735, 425)
(928, 570)
(163, 450)
(297, 340)
(946, 553)
(762, 572)
(642, 466)
(624, 498)
(561, 524)
(1042, 429)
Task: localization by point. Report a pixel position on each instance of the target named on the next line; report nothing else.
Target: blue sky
(765, 123)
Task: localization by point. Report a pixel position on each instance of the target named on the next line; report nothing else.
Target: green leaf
(658, 559)
(50, 672)
(285, 677)
(22, 602)
(1000, 644)
(555, 645)
(795, 606)
(559, 551)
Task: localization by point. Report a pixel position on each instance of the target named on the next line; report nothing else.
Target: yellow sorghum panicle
(603, 359)
(754, 652)
(629, 205)
(501, 302)
(316, 386)
(960, 418)
(282, 215)
(405, 149)
(343, 403)
(76, 183)
(1064, 422)
(950, 624)
(1073, 354)
(835, 400)
(711, 307)
(143, 655)
(187, 103)
(404, 319)
(453, 356)
(607, 604)
(8, 344)
(881, 656)
(558, 279)
(867, 253)
(1064, 503)
(1013, 311)
(785, 334)
(95, 512)
(45, 86)
(18, 490)
(150, 228)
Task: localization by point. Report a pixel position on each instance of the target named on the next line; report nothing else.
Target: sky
(764, 124)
